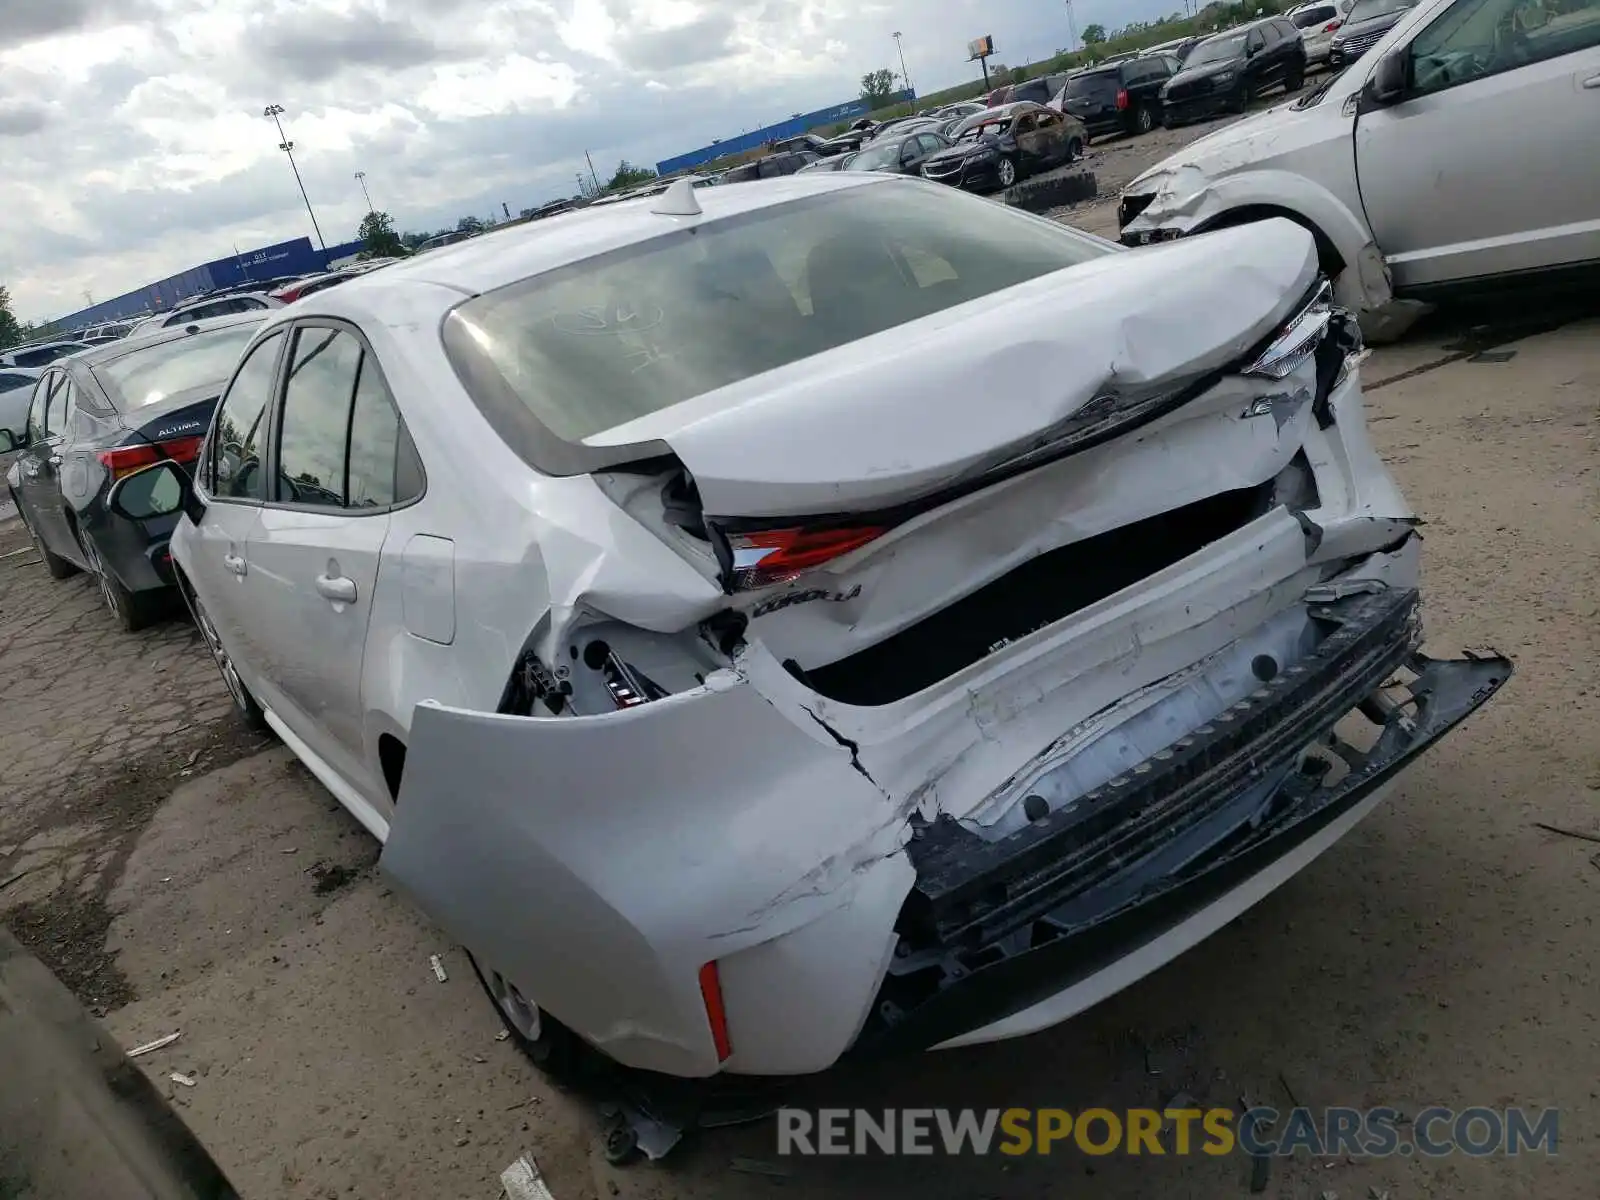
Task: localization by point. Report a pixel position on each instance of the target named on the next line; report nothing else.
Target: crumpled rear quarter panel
(663, 837)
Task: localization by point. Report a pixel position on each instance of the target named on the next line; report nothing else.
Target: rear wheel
(549, 1044)
(1007, 172)
(133, 610)
(1144, 119)
(243, 702)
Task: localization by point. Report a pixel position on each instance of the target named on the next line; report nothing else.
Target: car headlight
(983, 155)
(1224, 76)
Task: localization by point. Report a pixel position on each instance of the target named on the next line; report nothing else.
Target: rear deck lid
(921, 408)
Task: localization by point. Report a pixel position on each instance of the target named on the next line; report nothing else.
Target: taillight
(769, 556)
(125, 460)
(1331, 26)
(1122, 99)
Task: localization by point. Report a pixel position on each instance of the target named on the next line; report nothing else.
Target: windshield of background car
(1365, 10)
(881, 154)
(1092, 85)
(602, 342)
(1222, 49)
(150, 375)
(985, 129)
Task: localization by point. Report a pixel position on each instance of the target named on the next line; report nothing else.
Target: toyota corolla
(840, 616)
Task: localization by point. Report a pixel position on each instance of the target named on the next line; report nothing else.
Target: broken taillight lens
(767, 556)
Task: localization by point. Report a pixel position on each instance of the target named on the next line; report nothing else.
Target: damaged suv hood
(903, 413)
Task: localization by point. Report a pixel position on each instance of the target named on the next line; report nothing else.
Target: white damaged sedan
(826, 616)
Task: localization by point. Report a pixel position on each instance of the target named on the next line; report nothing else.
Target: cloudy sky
(132, 143)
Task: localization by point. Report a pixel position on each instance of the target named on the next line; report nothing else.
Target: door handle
(1592, 83)
(337, 588)
(236, 564)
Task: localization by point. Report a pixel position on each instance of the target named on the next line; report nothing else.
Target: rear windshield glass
(1094, 84)
(597, 344)
(1219, 49)
(46, 355)
(1308, 17)
(150, 375)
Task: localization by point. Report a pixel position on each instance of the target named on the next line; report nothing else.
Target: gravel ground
(181, 875)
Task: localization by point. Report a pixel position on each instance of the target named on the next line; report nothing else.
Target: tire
(1144, 119)
(1053, 189)
(1007, 172)
(1242, 98)
(244, 704)
(546, 1042)
(58, 567)
(133, 610)
(1074, 151)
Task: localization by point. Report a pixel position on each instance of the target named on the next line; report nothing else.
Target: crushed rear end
(1048, 682)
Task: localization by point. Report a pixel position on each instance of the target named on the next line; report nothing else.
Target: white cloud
(135, 145)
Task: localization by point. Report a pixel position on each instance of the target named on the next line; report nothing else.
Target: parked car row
(1415, 169)
(713, 601)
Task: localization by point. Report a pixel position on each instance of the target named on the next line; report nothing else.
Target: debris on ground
(1374, 1192)
(502, 1035)
(158, 1044)
(182, 1080)
(1568, 833)
(522, 1181)
(757, 1166)
(437, 964)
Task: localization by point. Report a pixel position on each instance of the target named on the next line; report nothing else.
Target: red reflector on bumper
(711, 993)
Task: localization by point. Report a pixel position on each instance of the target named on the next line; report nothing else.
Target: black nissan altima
(102, 414)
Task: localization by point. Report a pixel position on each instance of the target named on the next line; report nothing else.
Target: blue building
(297, 257)
(848, 111)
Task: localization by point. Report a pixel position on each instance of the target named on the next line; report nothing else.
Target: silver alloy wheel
(1008, 172)
(515, 1009)
(219, 655)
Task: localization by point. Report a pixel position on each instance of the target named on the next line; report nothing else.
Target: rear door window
(56, 419)
(232, 469)
(315, 425)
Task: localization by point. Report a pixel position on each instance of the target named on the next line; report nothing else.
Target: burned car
(1005, 145)
(792, 705)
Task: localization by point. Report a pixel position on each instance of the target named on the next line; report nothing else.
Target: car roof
(506, 256)
(111, 351)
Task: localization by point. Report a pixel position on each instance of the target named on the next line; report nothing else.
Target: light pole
(275, 111)
(898, 45)
(1072, 28)
(361, 178)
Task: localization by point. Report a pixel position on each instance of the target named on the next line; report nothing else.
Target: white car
(16, 393)
(1318, 22)
(204, 310)
(1448, 156)
(841, 615)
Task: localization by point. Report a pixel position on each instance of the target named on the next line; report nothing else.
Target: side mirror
(158, 490)
(1388, 82)
(1251, 51)
(8, 441)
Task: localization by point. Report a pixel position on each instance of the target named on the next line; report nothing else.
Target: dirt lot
(182, 876)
